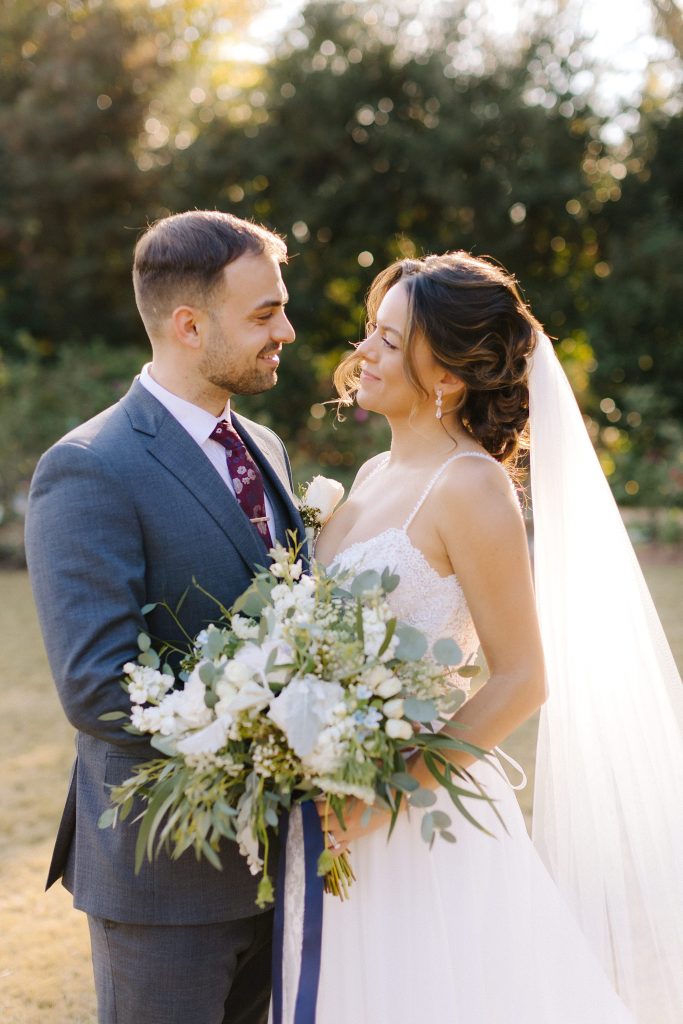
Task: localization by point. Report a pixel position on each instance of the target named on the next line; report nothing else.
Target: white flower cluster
(308, 690)
(146, 684)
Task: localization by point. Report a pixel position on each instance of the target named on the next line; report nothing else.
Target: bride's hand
(354, 810)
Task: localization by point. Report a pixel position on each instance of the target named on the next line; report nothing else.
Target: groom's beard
(225, 370)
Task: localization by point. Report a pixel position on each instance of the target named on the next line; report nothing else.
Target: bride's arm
(484, 536)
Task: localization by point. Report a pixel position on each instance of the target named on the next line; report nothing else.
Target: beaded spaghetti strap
(371, 475)
(425, 493)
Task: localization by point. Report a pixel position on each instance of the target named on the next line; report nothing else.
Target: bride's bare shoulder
(480, 492)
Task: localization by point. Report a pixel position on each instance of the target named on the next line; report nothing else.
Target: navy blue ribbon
(307, 992)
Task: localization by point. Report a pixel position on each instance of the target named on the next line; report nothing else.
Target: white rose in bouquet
(189, 704)
(208, 740)
(394, 708)
(398, 729)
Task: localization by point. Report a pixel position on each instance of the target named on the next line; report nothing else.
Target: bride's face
(384, 387)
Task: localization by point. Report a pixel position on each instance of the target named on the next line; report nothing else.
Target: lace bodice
(432, 603)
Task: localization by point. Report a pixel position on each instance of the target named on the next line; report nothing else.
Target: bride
(478, 932)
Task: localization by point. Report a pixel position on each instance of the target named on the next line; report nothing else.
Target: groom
(124, 511)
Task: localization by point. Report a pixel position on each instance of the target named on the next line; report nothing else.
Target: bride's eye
(389, 344)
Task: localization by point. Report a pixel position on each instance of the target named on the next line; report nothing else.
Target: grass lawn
(45, 973)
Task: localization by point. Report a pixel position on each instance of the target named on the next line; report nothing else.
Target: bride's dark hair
(471, 313)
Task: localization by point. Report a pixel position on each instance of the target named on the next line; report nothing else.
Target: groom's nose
(283, 331)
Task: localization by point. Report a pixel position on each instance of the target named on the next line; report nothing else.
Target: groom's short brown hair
(180, 259)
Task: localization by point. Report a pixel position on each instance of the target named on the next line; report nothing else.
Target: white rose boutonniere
(318, 500)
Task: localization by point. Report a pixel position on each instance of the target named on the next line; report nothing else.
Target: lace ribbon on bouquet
(608, 819)
(298, 919)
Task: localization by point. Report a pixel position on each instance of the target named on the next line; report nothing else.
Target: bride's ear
(450, 386)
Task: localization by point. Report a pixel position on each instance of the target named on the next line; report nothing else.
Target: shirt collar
(199, 423)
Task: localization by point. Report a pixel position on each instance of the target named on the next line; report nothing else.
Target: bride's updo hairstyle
(470, 312)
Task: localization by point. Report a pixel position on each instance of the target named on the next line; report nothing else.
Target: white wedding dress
(474, 932)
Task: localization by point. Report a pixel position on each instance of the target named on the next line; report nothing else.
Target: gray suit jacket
(124, 511)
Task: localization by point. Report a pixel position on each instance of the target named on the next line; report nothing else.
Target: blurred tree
(670, 21)
(75, 85)
(635, 312)
(367, 141)
(95, 99)
(376, 130)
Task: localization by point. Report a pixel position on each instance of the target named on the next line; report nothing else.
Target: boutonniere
(317, 501)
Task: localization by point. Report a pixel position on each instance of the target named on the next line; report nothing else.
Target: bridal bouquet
(308, 687)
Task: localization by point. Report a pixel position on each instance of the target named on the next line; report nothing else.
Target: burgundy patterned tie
(246, 478)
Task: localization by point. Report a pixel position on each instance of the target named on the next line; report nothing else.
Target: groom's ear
(186, 326)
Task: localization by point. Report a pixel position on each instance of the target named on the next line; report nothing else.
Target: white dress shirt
(199, 424)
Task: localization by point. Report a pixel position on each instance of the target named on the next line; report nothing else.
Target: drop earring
(439, 403)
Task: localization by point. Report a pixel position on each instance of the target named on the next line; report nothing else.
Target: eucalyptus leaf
(467, 671)
(448, 836)
(214, 644)
(151, 820)
(422, 798)
(440, 819)
(112, 716)
(108, 818)
(390, 581)
(365, 817)
(250, 603)
(427, 827)
(211, 856)
(165, 744)
(147, 608)
(144, 642)
(207, 673)
(419, 710)
(368, 580)
(412, 643)
(271, 817)
(225, 809)
(149, 658)
(447, 652)
(405, 782)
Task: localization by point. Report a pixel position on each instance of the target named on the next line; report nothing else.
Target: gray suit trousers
(182, 974)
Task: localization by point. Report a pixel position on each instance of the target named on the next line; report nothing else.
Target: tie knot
(224, 433)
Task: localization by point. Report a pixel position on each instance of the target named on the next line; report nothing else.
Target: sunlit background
(545, 133)
(548, 134)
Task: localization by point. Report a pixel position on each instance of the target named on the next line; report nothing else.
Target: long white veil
(608, 804)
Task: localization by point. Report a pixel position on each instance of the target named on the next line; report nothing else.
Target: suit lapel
(172, 446)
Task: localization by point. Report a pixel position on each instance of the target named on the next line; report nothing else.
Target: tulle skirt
(473, 932)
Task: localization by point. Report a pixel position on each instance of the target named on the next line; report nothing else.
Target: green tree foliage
(369, 135)
(364, 149)
(636, 313)
(73, 198)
